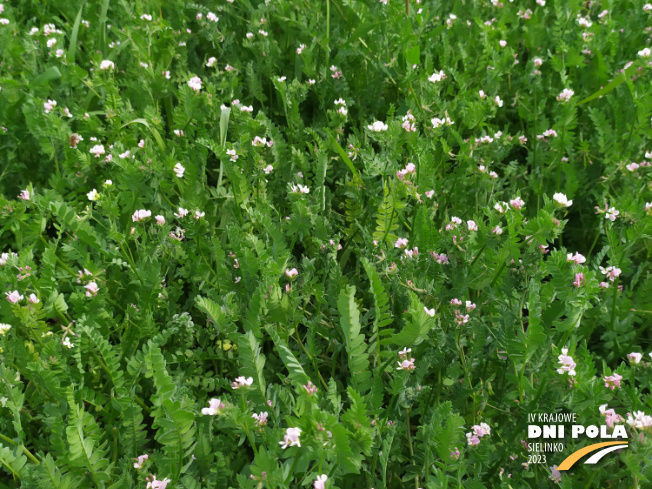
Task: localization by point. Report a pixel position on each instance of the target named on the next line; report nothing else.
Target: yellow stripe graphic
(574, 457)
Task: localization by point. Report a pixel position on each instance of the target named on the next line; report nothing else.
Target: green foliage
(351, 227)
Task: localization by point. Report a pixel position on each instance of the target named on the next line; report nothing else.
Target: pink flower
(565, 95)
(299, 189)
(33, 299)
(242, 382)
(472, 439)
(182, 213)
(455, 454)
(461, 318)
(610, 416)
(611, 272)
(91, 289)
(141, 215)
(576, 258)
(49, 105)
(472, 225)
(195, 83)
(310, 388)
(567, 363)
(291, 273)
(456, 302)
(639, 420)
(502, 43)
(320, 483)
(401, 243)
(141, 460)
(157, 484)
(517, 203)
(412, 253)
(213, 408)
(555, 474)
(579, 280)
(406, 365)
(470, 306)
(612, 381)
(14, 297)
(430, 193)
(442, 259)
(97, 150)
(291, 438)
(634, 358)
(404, 352)
(481, 430)
(261, 418)
(611, 214)
(160, 220)
(24, 195)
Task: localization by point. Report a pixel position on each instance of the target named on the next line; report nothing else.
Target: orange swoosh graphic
(574, 457)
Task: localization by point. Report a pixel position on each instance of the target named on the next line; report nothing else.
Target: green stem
(25, 450)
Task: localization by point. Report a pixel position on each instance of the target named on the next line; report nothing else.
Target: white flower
(178, 170)
(437, 77)
(97, 150)
(645, 53)
(93, 195)
(212, 17)
(195, 83)
(212, 409)
(51, 42)
(498, 101)
(611, 214)
(106, 65)
(160, 220)
(299, 189)
(268, 169)
(562, 200)
(66, 342)
(4, 328)
(429, 312)
(502, 43)
(182, 213)
(211, 62)
(632, 166)
(320, 483)
(146, 17)
(436, 122)
(141, 215)
(377, 126)
(565, 95)
(291, 438)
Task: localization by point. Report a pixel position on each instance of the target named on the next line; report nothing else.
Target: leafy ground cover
(327, 244)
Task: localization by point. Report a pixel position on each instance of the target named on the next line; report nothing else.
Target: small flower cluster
(405, 363)
(473, 438)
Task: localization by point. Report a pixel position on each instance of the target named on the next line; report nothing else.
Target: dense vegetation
(323, 243)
